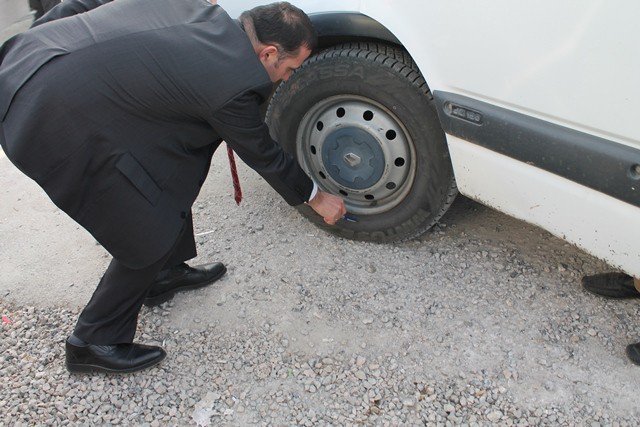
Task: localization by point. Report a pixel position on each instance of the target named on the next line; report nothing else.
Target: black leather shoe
(611, 285)
(182, 278)
(118, 358)
(633, 352)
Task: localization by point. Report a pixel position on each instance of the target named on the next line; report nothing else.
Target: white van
(532, 108)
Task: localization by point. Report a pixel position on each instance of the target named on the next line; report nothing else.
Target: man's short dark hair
(283, 25)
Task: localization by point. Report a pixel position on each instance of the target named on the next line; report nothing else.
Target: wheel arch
(341, 27)
(335, 28)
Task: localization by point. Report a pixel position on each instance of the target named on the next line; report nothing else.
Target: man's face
(281, 69)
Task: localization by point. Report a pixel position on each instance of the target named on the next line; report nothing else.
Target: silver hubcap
(357, 148)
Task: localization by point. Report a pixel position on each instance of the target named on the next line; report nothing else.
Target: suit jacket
(115, 109)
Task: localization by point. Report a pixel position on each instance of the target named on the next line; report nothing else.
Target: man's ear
(268, 53)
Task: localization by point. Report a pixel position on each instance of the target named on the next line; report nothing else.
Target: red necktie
(237, 191)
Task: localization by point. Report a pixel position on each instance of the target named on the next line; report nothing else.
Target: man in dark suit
(115, 109)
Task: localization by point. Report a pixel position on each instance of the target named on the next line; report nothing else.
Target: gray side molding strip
(597, 163)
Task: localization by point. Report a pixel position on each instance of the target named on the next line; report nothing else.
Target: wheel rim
(355, 147)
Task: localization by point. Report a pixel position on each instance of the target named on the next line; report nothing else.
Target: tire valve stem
(350, 218)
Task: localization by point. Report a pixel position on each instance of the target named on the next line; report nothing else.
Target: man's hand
(328, 206)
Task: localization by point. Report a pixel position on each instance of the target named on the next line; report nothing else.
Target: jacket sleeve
(240, 125)
(56, 9)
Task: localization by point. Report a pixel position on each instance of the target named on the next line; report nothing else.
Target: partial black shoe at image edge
(611, 285)
(633, 353)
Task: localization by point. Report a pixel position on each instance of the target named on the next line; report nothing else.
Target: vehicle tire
(360, 120)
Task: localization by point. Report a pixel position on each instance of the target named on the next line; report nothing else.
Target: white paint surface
(601, 225)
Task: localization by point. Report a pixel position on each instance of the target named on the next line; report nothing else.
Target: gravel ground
(480, 321)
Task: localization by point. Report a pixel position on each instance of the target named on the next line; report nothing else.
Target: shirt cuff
(313, 192)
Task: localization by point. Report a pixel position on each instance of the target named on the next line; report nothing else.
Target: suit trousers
(111, 315)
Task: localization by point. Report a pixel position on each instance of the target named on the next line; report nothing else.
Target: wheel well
(344, 27)
(336, 28)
